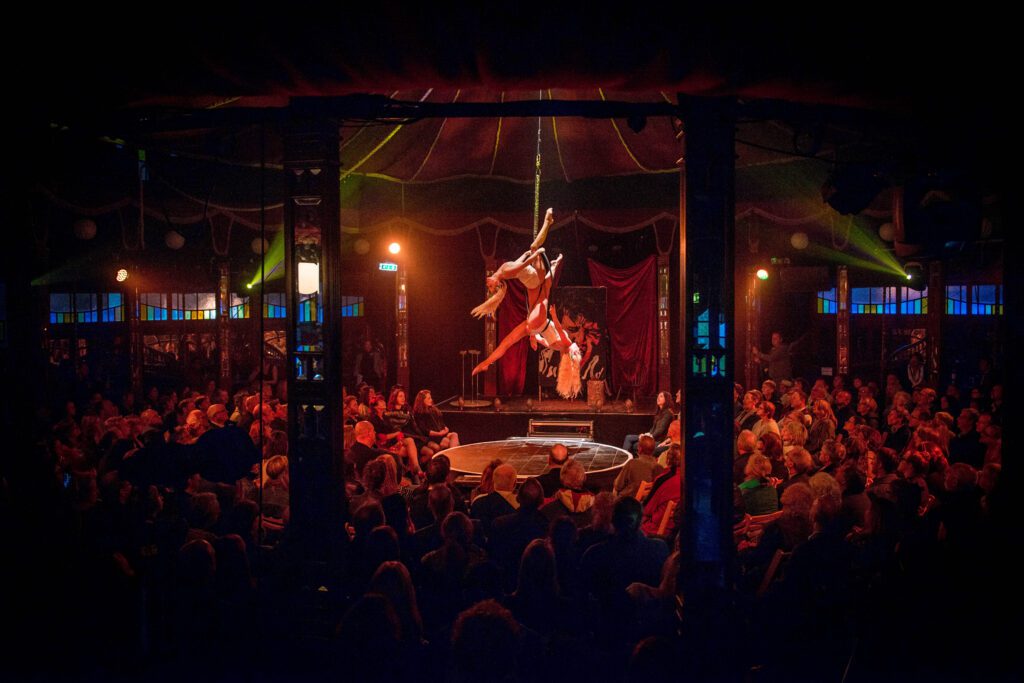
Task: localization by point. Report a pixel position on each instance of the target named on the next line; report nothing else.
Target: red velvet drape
(512, 366)
(632, 321)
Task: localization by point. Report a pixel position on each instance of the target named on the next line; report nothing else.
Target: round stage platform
(529, 455)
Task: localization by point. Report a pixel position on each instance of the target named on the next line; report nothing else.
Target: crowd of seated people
(171, 518)
(873, 508)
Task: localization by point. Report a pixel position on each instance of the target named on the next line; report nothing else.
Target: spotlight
(762, 274)
(394, 247)
(249, 286)
(914, 272)
(122, 275)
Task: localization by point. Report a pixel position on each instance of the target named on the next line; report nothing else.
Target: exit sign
(393, 267)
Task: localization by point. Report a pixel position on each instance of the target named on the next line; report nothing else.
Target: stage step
(580, 429)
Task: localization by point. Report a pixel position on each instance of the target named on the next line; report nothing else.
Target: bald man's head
(558, 455)
(504, 478)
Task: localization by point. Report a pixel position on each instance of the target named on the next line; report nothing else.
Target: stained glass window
(239, 307)
(872, 300)
(956, 299)
(86, 307)
(352, 306)
(274, 305)
(194, 306)
(987, 300)
(912, 301)
(153, 306)
(827, 301)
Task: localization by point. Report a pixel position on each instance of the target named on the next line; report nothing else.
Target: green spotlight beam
(871, 246)
(844, 258)
(273, 261)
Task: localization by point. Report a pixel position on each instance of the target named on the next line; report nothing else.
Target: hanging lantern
(174, 239)
(258, 246)
(887, 232)
(85, 228)
(799, 240)
(362, 246)
(309, 277)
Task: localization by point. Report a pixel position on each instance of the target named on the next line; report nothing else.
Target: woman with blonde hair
(823, 426)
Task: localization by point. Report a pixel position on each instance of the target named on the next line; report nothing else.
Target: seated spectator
(572, 499)
(665, 489)
(758, 495)
(486, 484)
(551, 479)
(511, 533)
(501, 501)
(766, 420)
(537, 602)
(276, 488)
(639, 469)
(485, 639)
(799, 465)
(392, 580)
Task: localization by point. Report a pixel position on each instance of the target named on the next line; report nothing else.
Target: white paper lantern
(85, 228)
(309, 277)
(886, 232)
(362, 246)
(799, 240)
(174, 239)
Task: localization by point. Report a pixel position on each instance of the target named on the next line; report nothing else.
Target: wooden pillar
(842, 320)
(707, 255)
(313, 238)
(490, 337)
(752, 366)
(136, 354)
(223, 323)
(936, 306)
(402, 328)
(664, 325)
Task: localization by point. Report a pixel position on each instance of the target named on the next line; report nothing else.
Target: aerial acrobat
(537, 273)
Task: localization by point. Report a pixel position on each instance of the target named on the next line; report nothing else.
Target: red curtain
(512, 366)
(632, 321)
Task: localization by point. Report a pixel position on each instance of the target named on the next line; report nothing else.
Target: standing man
(780, 359)
(371, 366)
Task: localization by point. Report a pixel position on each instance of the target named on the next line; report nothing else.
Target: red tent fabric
(632, 321)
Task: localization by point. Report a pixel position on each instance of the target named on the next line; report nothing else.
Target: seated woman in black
(430, 424)
(392, 439)
(659, 428)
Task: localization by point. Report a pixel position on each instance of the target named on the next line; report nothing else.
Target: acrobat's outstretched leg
(520, 332)
(542, 234)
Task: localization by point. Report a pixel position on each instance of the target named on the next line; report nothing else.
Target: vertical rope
(536, 177)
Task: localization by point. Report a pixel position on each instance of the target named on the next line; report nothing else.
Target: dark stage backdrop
(581, 311)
